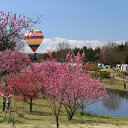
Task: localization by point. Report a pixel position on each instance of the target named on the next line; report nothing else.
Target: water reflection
(113, 102)
(115, 105)
(120, 93)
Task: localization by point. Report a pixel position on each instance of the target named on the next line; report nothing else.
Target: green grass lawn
(42, 117)
(114, 84)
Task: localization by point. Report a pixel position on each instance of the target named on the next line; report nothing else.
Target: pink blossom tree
(13, 61)
(81, 91)
(126, 79)
(67, 84)
(64, 84)
(26, 86)
(12, 27)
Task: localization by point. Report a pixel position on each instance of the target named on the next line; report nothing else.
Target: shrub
(125, 73)
(92, 67)
(105, 74)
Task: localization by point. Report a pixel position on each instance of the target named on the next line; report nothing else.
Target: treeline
(111, 53)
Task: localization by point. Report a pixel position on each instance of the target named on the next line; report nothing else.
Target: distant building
(104, 66)
(122, 67)
(100, 65)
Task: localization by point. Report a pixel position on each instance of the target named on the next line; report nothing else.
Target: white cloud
(87, 43)
(50, 44)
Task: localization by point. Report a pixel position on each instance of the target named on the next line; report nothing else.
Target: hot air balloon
(34, 38)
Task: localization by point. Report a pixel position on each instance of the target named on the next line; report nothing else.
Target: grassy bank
(42, 117)
(115, 84)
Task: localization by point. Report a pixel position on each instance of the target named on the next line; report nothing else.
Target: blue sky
(75, 21)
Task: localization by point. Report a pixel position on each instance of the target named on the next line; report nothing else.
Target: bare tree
(109, 54)
(62, 48)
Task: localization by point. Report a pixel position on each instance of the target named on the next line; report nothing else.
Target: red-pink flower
(13, 61)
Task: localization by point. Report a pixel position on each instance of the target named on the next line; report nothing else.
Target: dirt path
(118, 78)
(67, 126)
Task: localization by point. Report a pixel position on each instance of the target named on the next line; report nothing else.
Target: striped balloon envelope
(34, 38)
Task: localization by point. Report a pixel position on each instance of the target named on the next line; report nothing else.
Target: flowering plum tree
(67, 84)
(64, 84)
(11, 29)
(26, 86)
(81, 90)
(12, 61)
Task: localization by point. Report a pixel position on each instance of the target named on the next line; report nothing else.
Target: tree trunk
(35, 57)
(57, 122)
(31, 104)
(70, 116)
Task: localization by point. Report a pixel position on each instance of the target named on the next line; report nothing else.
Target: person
(124, 82)
(112, 75)
(8, 101)
(6, 98)
(4, 101)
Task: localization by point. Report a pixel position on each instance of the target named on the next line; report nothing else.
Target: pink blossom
(13, 61)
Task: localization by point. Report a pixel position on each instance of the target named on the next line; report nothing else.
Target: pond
(116, 105)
